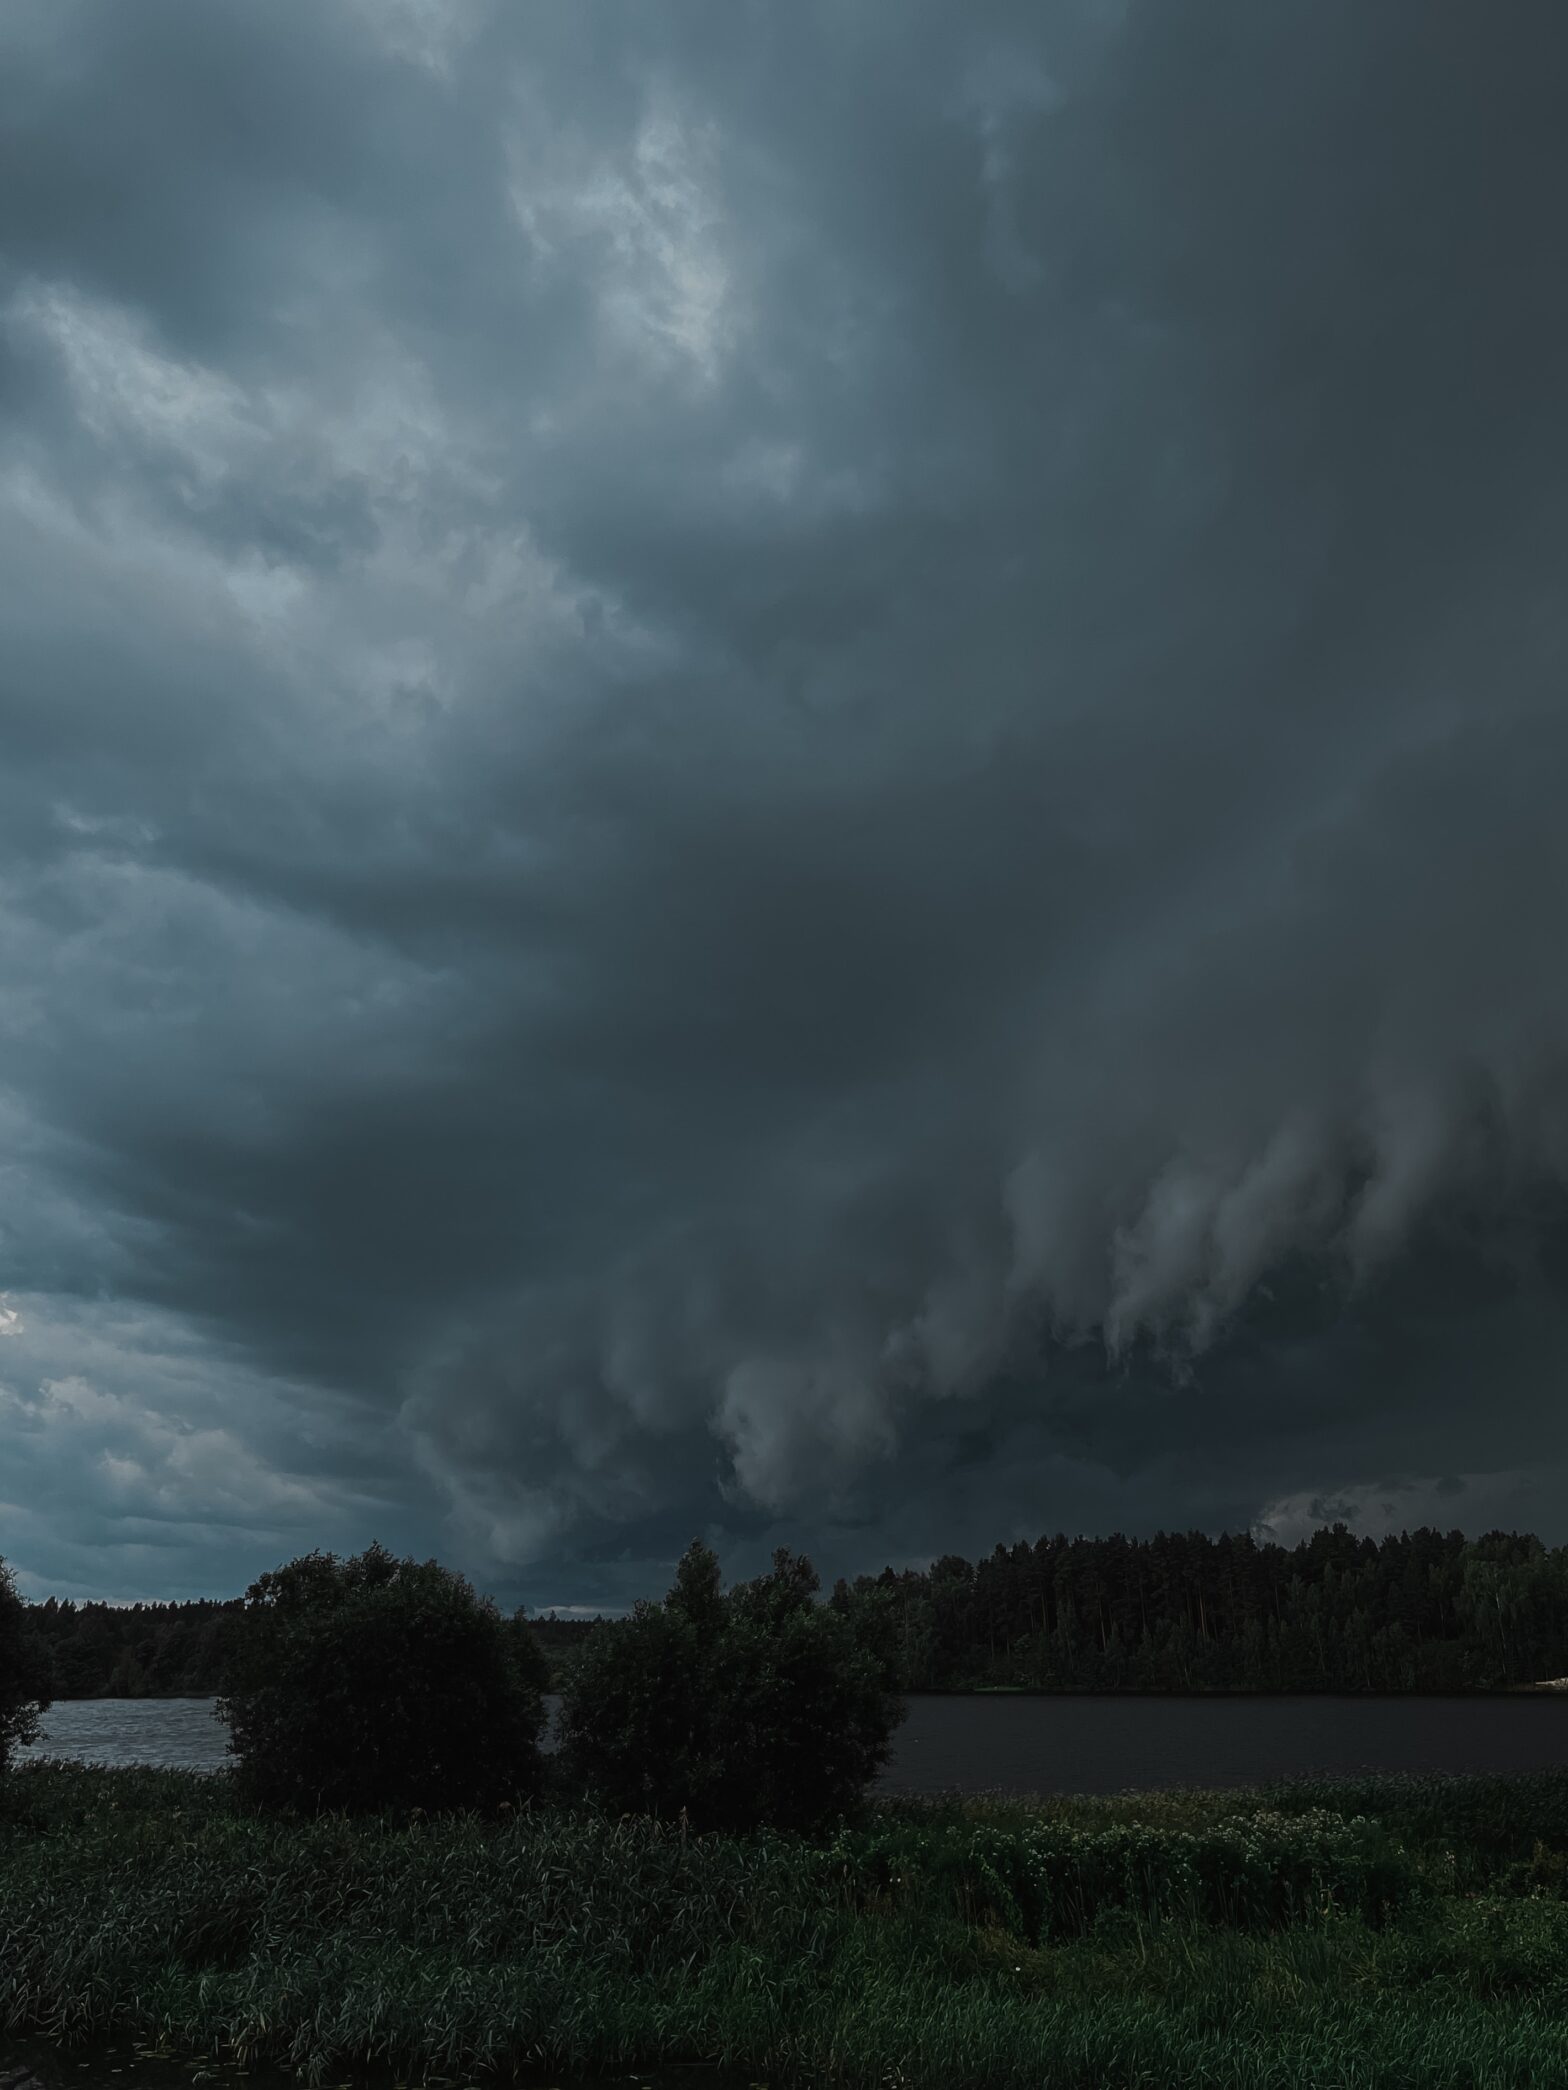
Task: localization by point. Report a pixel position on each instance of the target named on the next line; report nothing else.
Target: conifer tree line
(1421, 1611)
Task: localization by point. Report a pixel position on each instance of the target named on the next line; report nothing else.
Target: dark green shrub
(1492, 1947)
(636, 1721)
(25, 1672)
(379, 1683)
(1474, 1826)
(759, 1708)
(533, 1664)
(1544, 1872)
(1055, 1879)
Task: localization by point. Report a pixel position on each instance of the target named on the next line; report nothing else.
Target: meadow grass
(1387, 1932)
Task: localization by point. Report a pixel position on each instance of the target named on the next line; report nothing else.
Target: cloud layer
(793, 771)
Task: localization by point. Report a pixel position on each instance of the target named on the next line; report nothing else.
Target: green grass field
(1389, 1932)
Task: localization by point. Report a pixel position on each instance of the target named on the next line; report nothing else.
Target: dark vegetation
(180, 1650)
(760, 1708)
(24, 1671)
(1426, 1611)
(1409, 1933)
(391, 1879)
(376, 1683)
(371, 1684)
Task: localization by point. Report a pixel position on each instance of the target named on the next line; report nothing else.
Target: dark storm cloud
(792, 770)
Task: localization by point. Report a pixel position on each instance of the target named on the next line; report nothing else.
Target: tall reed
(1225, 1942)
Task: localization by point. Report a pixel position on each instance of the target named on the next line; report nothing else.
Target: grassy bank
(1394, 1931)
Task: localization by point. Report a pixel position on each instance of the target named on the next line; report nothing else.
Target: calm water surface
(1007, 1744)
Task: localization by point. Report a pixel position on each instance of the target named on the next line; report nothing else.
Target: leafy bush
(756, 1708)
(1543, 1873)
(379, 1683)
(1475, 1826)
(1489, 1946)
(25, 1679)
(1054, 1879)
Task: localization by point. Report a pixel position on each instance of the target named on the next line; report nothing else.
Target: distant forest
(178, 1650)
(1426, 1611)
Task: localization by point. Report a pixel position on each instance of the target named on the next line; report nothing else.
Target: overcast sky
(784, 770)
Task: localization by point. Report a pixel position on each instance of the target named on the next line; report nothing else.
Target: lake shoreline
(1024, 1742)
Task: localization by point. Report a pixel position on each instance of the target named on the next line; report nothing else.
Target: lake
(995, 1743)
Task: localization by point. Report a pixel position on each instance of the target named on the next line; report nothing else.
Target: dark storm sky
(785, 770)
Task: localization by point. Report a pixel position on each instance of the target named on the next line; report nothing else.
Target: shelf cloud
(786, 771)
